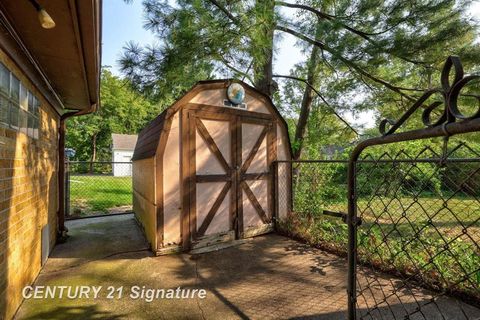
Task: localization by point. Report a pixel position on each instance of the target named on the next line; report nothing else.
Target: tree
(378, 53)
(324, 126)
(355, 76)
(122, 110)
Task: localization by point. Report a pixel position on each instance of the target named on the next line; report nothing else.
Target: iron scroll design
(451, 121)
(449, 92)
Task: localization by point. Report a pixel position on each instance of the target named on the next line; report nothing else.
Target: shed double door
(228, 179)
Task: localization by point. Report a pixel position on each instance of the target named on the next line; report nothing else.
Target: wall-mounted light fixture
(45, 20)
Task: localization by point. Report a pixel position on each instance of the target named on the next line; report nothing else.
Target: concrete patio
(268, 277)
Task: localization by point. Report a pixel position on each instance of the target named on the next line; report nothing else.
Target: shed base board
(217, 241)
(142, 228)
(213, 239)
(256, 231)
(168, 250)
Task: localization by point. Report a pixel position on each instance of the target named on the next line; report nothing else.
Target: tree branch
(336, 17)
(244, 74)
(319, 13)
(347, 62)
(364, 35)
(226, 12)
(320, 96)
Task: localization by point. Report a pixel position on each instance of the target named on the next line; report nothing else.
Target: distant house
(123, 146)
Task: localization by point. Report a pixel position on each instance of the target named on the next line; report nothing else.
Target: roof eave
(75, 44)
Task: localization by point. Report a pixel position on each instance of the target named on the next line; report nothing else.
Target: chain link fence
(319, 190)
(98, 188)
(418, 241)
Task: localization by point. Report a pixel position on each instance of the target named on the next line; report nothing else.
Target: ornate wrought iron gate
(405, 258)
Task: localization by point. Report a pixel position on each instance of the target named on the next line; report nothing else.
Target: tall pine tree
(380, 54)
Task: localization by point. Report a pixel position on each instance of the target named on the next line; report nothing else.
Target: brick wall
(28, 199)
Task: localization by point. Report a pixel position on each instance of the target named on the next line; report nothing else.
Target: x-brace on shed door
(226, 165)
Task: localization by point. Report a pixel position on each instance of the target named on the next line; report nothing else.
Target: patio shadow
(72, 313)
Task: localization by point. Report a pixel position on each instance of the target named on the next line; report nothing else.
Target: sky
(124, 22)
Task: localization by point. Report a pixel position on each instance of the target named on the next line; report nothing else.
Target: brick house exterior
(31, 119)
(28, 196)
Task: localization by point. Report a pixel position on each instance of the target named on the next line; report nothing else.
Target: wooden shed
(202, 170)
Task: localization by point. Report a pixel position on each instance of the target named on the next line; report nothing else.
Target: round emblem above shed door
(236, 93)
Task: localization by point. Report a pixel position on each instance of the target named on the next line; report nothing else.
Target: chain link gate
(414, 219)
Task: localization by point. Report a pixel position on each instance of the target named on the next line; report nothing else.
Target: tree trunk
(262, 47)
(94, 152)
(264, 80)
(308, 95)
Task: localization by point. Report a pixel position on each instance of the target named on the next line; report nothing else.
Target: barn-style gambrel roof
(124, 141)
(149, 137)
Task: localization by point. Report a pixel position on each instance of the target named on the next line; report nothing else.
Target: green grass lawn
(429, 238)
(449, 216)
(95, 194)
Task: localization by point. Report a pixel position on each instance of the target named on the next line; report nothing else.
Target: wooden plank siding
(190, 111)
